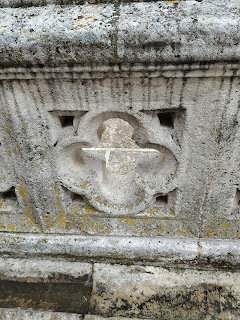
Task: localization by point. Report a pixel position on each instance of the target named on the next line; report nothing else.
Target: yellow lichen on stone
(60, 212)
(11, 227)
(26, 32)
(84, 186)
(130, 221)
(84, 22)
(90, 209)
(22, 193)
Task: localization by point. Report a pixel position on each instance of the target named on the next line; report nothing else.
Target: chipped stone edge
(194, 70)
(142, 250)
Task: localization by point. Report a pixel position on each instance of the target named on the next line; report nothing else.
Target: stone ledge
(116, 33)
(137, 70)
(218, 253)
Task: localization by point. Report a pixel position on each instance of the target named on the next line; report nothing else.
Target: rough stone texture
(163, 31)
(49, 186)
(166, 294)
(19, 314)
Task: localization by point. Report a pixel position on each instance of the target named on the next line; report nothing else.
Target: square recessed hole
(162, 200)
(77, 197)
(166, 119)
(9, 195)
(74, 196)
(66, 121)
(8, 200)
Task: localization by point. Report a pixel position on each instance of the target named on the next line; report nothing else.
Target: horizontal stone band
(138, 250)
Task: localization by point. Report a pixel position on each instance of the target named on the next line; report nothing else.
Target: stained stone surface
(55, 285)
(126, 291)
(164, 293)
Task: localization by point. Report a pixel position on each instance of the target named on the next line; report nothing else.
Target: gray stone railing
(119, 143)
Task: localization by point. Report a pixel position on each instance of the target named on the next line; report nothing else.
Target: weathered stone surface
(19, 314)
(163, 31)
(140, 250)
(49, 186)
(162, 293)
(44, 284)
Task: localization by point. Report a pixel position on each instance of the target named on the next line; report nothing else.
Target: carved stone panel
(123, 156)
(115, 176)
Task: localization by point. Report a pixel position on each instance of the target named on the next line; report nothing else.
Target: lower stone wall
(113, 291)
(165, 293)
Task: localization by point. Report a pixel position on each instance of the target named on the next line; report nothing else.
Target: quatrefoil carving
(116, 176)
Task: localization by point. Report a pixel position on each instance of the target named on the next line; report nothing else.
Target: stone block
(164, 293)
(44, 285)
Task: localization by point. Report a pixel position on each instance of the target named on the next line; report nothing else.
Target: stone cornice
(195, 70)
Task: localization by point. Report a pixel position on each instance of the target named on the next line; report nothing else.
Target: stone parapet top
(111, 33)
